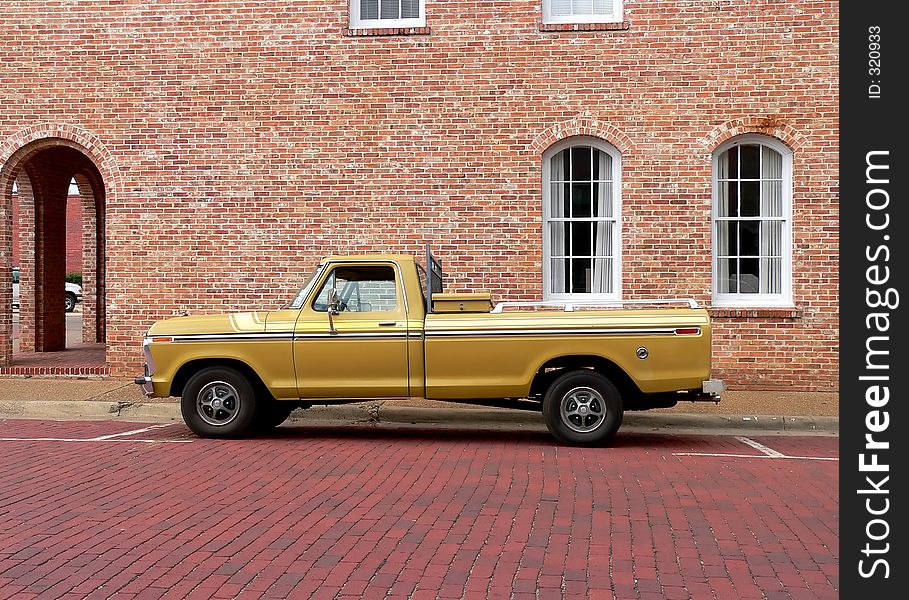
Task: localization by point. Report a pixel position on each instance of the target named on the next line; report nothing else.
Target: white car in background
(73, 292)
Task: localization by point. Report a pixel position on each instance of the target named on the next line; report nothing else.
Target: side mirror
(334, 308)
(334, 302)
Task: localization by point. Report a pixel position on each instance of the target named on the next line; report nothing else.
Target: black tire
(218, 402)
(70, 302)
(582, 408)
(271, 413)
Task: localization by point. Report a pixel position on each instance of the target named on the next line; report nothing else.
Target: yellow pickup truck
(367, 327)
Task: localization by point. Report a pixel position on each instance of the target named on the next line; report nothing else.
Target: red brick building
(545, 148)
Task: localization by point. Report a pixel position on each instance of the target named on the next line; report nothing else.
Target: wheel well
(552, 369)
(194, 366)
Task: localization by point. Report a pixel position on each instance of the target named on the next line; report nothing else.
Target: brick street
(103, 509)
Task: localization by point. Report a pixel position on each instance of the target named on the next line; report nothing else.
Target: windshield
(301, 296)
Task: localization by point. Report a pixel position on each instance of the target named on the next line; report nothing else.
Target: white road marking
(93, 440)
(767, 452)
(754, 456)
(133, 432)
(758, 446)
(113, 437)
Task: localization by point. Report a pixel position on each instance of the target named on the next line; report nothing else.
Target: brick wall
(241, 140)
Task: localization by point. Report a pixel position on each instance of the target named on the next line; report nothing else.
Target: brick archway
(43, 162)
(770, 126)
(582, 126)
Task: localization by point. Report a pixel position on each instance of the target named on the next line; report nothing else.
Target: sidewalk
(47, 398)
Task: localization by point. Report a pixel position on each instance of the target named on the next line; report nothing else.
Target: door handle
(387, 323)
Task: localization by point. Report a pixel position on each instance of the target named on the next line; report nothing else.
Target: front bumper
(145, 382)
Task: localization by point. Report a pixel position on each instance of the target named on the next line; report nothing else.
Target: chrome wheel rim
(218, 403)
(582, 410)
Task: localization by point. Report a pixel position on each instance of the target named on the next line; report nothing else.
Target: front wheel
(218, 402)
(70, 305)
(271, 413)
(582, 408)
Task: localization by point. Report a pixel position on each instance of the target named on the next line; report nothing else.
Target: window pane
(727, 238)
(583, 7)
(771, 238)
(750, 205)
(390, 9)
(726, 275)
(771, 198)
(580, 200)
(559, 167)
(558, 201)
(602, 199)
(748, 276)
(748, 238)
(373, 295)
(751, 161)
(580, 163)
(580, 238)
(602, 238)
(728, 201)
(410, 9)
(369, 9)
(602, 165)
(733, 155)
(602, 7)
(559, 239)
(558, 275)
(580, 275)
(771, 275)
(722, 165)
(560, 8)
(601, 276)
(773, 163)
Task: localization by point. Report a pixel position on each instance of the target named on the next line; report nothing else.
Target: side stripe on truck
(438, 333)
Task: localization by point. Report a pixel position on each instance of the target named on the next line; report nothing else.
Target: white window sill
(587, 19)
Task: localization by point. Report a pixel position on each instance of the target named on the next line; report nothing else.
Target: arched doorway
(42, 172)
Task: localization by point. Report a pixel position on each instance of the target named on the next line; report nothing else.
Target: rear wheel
(218, 402)
(70, 305)
(582, 408)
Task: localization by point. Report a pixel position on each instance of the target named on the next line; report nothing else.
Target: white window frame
(784, 298)
(616, 17)
(357, 23)
(616, 156)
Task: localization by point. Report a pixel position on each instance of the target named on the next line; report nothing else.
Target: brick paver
(353, 512)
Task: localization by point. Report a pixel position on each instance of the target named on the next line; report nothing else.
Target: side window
(15, 275)
(360, 289)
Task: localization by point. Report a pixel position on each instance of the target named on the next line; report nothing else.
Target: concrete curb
(377, 413)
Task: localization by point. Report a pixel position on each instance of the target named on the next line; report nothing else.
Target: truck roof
(393, 257)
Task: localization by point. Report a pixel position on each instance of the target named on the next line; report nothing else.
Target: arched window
(752, 198)
(581, 220)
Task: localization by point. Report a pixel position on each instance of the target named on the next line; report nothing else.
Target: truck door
(362, 351)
